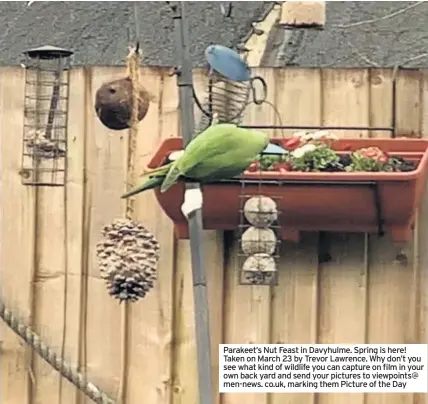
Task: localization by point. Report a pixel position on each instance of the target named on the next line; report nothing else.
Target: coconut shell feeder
(114, 101)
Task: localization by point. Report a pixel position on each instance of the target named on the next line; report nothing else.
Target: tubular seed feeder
(44, 149)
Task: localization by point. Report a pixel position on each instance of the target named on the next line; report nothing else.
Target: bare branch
(385, 17)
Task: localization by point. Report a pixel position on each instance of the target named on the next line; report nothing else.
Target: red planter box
(338, 201)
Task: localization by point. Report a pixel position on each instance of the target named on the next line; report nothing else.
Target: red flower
(292, 143)
(374, 153)
(282, 167)
(383, 159)
(254, 167)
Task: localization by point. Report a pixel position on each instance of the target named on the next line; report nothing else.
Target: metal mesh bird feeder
(44, 150)
(259, 236)
(230, 87)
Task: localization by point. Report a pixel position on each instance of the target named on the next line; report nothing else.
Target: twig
(384, 17)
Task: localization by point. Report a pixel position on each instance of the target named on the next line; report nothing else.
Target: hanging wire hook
(262, 99)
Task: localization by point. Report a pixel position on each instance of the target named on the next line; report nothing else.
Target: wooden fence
(146, 353)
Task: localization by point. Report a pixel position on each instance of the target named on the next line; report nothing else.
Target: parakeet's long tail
(151, 183)
(156, 178)
(171, 177)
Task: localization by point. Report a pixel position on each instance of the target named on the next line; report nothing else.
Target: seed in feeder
(258, 240)
(113, 103)
(260, 211)
(129, 268)
(259, 263)
(41, 146)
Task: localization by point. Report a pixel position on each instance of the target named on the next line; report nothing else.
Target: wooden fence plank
(408, 103)
(246, 315)
(381, 106)
(17, 238)
(59, 216)
(390, 277)
(247, 308)
(343, 279)
(154, 338)
(294, 304)
(421, 256)
(74, 234)
(52, 274)
(345, 100)
(298, 87)
(105, 174)
(343, 291)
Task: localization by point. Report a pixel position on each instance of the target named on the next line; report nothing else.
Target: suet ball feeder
(258, 241)
(260, 211)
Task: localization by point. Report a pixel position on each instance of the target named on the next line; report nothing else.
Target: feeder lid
(227, 62)
(48, 52)
(274, 149)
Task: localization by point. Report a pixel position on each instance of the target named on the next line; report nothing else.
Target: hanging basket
(373, 202)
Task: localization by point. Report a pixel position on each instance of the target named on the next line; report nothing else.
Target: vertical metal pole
(185, 84)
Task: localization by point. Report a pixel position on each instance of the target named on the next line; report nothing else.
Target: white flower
(320, 135)
(301, 151)
(300, 134)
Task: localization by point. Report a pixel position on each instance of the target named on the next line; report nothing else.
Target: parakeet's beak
(274, 149)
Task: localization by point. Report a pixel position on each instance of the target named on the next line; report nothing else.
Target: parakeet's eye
(111, 90)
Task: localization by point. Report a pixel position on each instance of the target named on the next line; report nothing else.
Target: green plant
(311, 157)
(370, 159)
(267, 161)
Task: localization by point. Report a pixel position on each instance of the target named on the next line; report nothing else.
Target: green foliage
(361, 162)
(321, 158)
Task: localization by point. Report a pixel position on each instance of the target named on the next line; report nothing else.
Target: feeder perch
(44, 150)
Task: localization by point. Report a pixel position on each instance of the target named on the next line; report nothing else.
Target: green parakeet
(221, 151)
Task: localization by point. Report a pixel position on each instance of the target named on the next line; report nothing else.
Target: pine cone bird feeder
(127, 257)
(113, 103)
